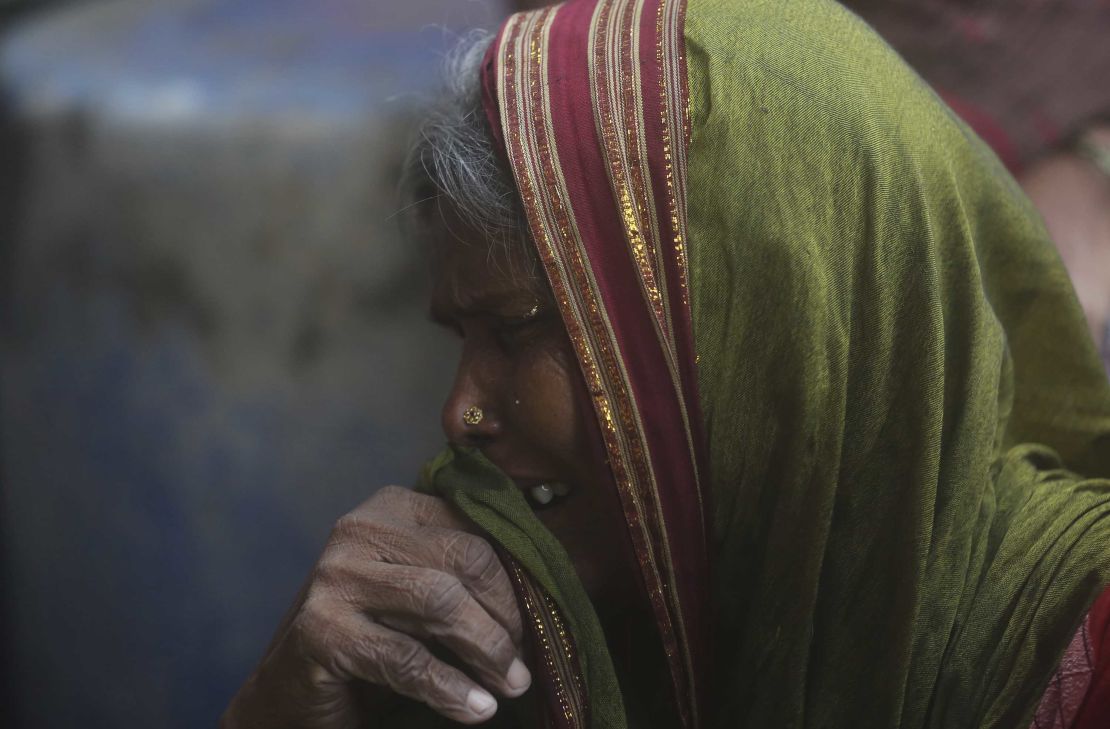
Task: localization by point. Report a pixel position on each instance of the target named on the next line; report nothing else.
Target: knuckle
(396, 544)
(409, 663)
(316, 607)
(393, 492)
(444, 687)
(366, 655)
(441, 597)
(315, 626)
(342, 574)
(328, 569)
(389, 497)
(426, 508)
(346, 527)
(473, 558)
(343, 585)
(500, 648)
(358, 532)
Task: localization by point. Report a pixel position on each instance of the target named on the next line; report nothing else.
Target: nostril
(477, 440)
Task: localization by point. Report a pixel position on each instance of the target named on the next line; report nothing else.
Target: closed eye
(515, 332)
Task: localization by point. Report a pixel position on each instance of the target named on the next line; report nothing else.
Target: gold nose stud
(473, 415)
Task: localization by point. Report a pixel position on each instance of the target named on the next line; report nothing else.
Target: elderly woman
(772, 409)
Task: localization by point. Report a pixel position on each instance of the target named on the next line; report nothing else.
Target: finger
(445, 610)
(370, 538)
(457, 620)
(473, 560)
(409, 506)
(350, 646)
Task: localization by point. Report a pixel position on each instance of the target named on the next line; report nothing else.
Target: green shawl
(897, 392)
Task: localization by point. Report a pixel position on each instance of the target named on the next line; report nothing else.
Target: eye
(514, 333)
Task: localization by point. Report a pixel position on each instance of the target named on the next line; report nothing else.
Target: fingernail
(518, 677)
(480, 702)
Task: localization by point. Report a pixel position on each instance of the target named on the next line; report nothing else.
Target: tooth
(560, 489)
(542, 494)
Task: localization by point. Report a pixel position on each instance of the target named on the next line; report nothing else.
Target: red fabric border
(1095, 712)
(597, 215)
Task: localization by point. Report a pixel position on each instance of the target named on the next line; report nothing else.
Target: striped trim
(633, 72)
(617, 92)
(556, 650)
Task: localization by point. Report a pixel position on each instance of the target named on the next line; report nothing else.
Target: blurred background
(214, 337)
(213, 334)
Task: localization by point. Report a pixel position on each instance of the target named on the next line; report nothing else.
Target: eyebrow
(491, 303)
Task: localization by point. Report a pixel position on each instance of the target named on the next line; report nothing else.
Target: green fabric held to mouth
(492, 501)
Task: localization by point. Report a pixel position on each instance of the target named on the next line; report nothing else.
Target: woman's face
(518, 367)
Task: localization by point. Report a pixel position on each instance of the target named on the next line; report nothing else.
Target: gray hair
(452, 162)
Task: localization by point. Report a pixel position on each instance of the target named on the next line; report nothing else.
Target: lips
(524, 483)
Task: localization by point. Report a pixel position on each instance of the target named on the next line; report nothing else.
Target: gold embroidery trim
(523, 91)
(556, 649)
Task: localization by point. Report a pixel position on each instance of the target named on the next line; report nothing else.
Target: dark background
(214, 338)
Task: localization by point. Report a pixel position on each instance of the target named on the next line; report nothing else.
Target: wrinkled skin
(398, 571)
(404, 574)
(538, 424)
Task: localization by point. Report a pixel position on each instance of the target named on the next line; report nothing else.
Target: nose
(470, 415)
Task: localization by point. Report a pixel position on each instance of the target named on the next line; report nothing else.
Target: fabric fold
(551, 596)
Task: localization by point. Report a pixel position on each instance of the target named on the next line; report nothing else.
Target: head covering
(837, 365)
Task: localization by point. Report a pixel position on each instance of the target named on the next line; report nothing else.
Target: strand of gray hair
(453, 160)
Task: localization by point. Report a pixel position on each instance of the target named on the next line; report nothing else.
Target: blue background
(214, 336)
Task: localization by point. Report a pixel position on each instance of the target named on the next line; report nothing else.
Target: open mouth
(543, 493)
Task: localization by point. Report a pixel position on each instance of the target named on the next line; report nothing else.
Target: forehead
(473, 276)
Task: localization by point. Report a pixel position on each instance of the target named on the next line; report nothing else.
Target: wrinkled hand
(399, 573)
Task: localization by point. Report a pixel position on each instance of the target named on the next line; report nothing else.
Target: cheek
(557, 416)
(549, 411)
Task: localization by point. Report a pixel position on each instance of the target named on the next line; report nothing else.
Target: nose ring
(473, 415)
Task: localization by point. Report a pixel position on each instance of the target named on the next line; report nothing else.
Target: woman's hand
(399, 572)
